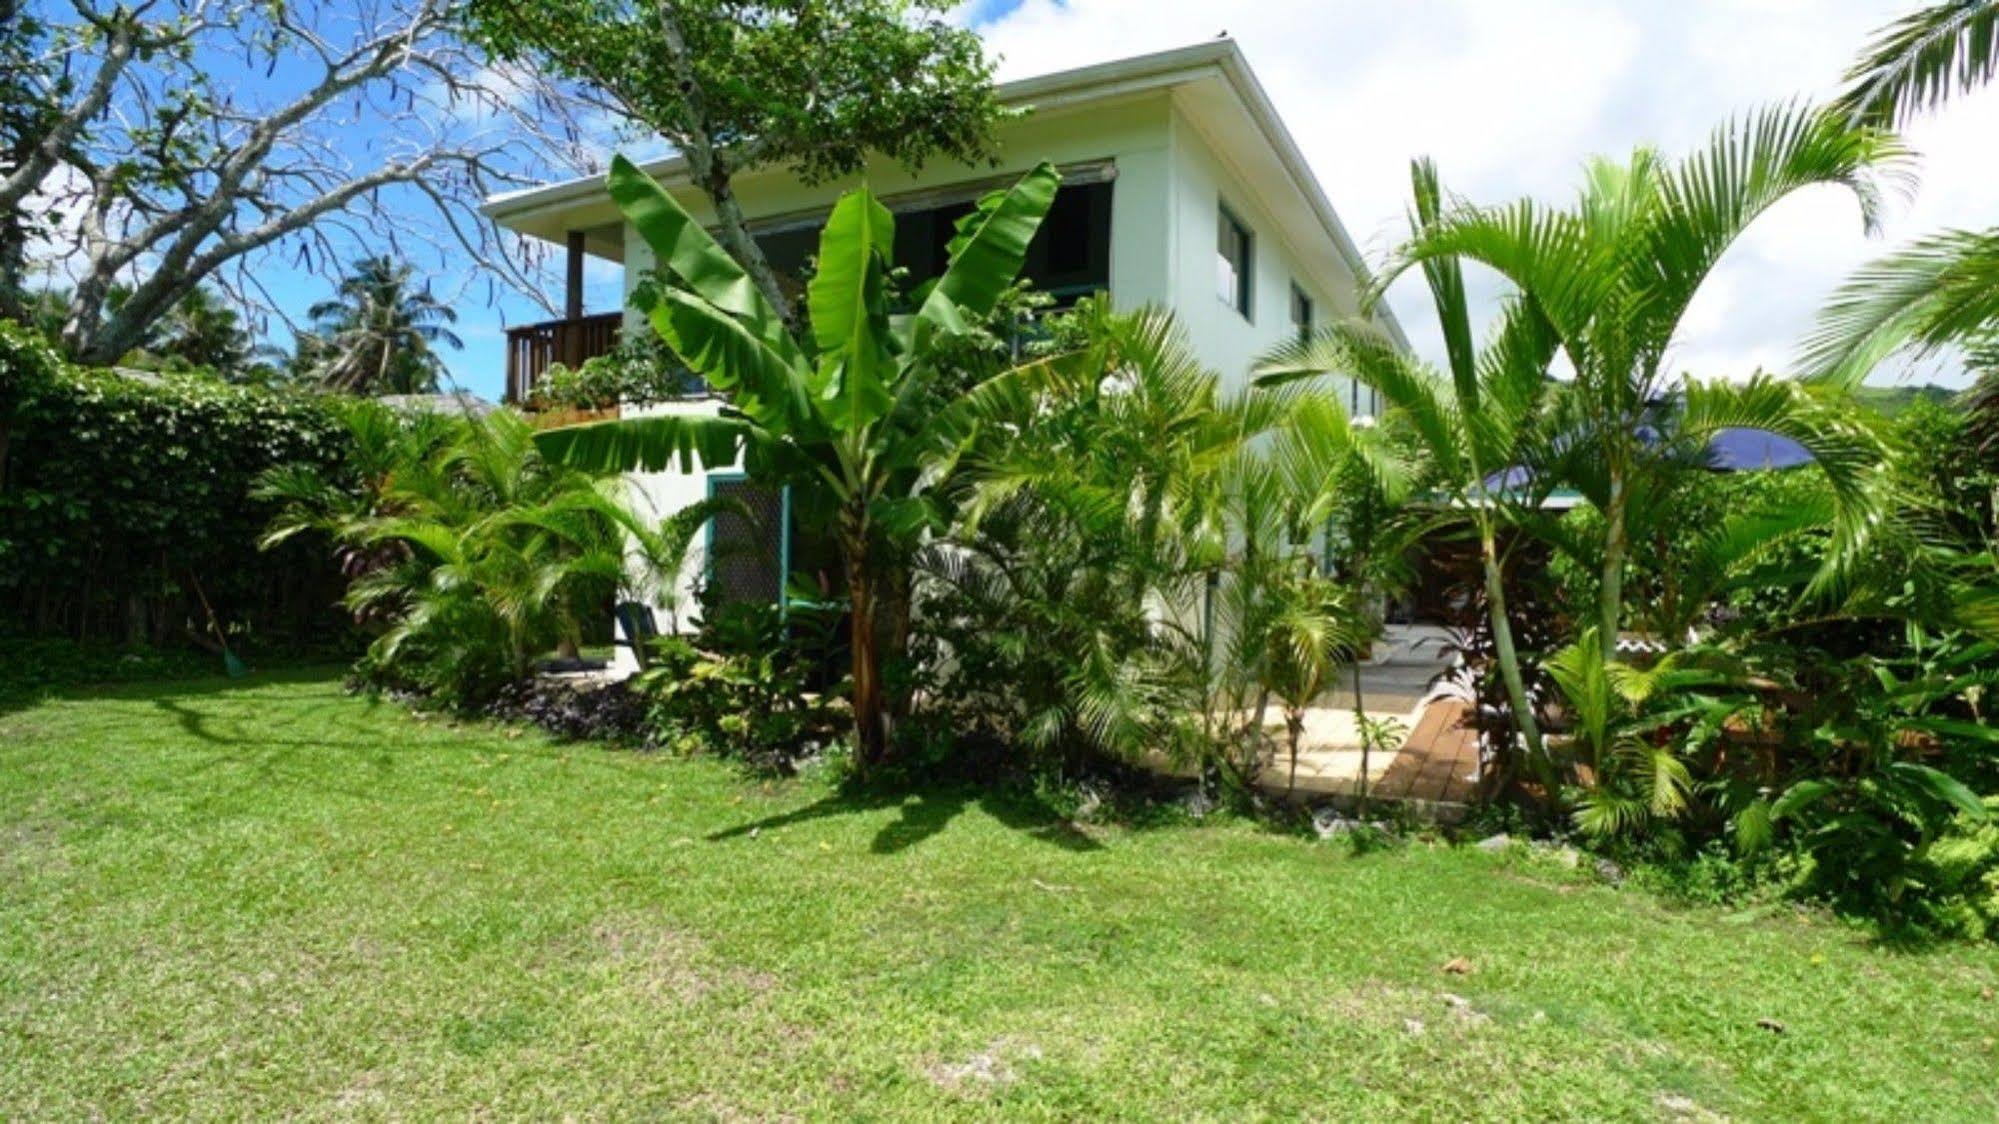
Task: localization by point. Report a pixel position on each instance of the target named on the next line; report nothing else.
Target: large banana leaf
(727, 353)
(987, 255)
(850, 312)
(653, 444)
(685, 251)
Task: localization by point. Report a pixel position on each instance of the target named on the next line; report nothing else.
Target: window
(1301, 311)
(1069, 257)
(746, 557)
(1232, 262)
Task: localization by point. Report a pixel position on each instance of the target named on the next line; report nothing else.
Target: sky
(1509, 97)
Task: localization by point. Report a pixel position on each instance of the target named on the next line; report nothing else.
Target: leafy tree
(846, 414)
(735, 85)
(199, 178)
(380, 333)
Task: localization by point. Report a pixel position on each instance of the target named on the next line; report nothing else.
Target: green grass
(268, 899)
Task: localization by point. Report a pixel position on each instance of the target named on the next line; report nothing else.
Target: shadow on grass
(193, 674)
(924, 813)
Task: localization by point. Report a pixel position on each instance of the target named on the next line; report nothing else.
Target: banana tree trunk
(898, 606)
(870, 733)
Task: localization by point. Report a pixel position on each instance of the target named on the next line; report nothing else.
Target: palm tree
(205, 333)
(1358, 481)
(1942, 289)
(852, 414)
(380, 333)
(471, 552)
(1120, 532)
(1472, 425)
(1611, 277)
(1921, 60)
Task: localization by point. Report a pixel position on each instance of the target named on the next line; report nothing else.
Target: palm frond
(1921, 60)
(1939, 290)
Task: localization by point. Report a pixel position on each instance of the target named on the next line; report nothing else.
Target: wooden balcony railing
(533, 348)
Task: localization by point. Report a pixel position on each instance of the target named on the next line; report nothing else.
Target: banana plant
(850, 411)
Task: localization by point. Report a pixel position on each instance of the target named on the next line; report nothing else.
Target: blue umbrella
(1730, 450)
(1743, 450)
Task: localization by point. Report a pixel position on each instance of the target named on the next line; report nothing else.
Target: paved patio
(1436, 762)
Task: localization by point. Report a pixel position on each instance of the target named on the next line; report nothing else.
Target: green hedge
(122, 499)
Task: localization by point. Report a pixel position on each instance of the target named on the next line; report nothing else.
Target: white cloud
(1510, 98)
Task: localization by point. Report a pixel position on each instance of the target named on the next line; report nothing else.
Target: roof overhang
(549, 212)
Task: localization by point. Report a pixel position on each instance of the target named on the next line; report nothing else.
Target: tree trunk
(705, 160)
(1610, 589)
(870, 736)
(1366, 738)
(897, 607)
(1294, 729)
(1509, 666)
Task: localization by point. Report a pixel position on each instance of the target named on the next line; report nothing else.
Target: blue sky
(1509, 98)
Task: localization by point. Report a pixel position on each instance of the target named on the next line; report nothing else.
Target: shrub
(638, 371)
(125, 500)
(744, 685)
(575, 710)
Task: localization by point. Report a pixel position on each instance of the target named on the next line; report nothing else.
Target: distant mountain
(1892, 400)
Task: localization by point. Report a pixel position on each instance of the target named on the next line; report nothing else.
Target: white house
(1181, 188)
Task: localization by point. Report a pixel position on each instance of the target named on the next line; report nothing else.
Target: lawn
(262, 900)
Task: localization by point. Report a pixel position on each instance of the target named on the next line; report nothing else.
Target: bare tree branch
(157, 176)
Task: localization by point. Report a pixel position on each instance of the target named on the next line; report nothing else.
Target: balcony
(533, 348)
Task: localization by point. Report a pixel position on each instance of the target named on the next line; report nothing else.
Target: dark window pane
(1232, 261)
(745, 561)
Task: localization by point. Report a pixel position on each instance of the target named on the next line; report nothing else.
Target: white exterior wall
(1202, 183)
(657, 495)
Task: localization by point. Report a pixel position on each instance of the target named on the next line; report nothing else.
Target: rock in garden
(1090, 803)
(1493, 844)
(1197, 803)
(1329, 823)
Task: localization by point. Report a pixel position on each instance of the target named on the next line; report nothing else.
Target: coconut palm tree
(1612, 275)
(855, 415)
(203, 332)
(380, 333)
